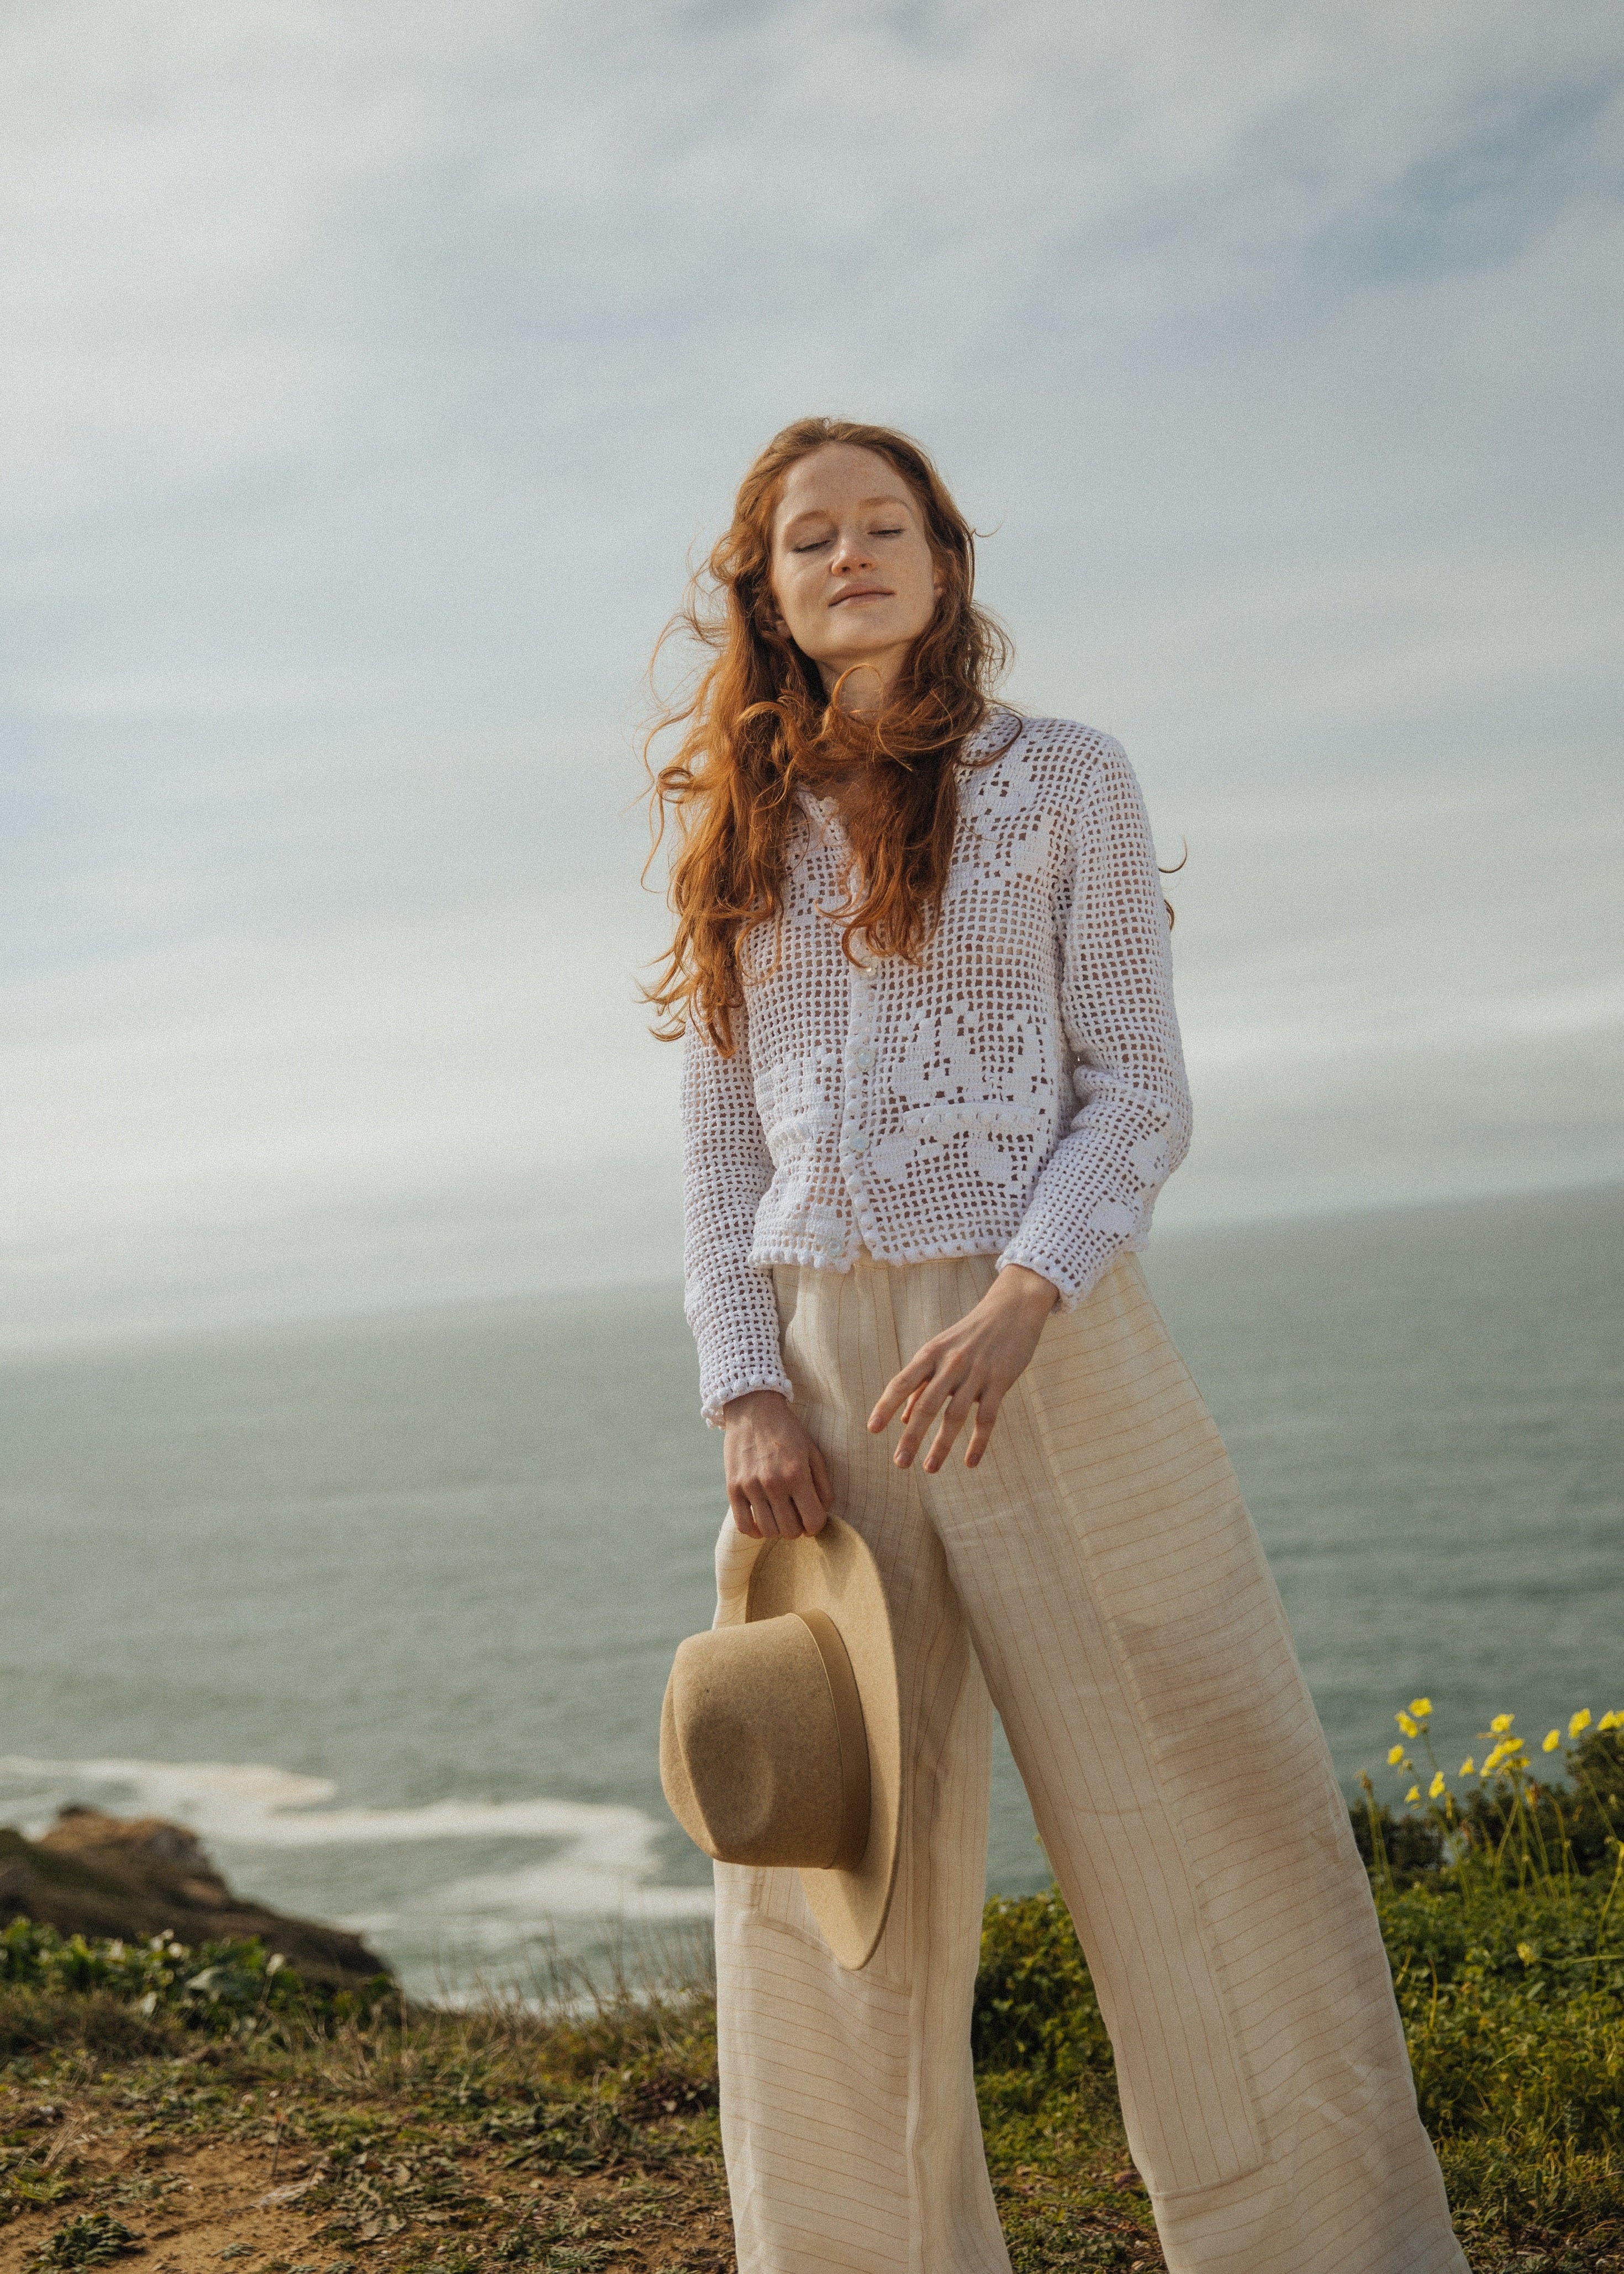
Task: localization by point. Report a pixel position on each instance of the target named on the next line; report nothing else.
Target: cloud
(376, 368)
(1482, 199)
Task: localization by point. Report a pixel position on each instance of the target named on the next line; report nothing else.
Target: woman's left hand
(971, 1365)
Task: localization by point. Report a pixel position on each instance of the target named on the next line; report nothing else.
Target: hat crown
(760, 1740)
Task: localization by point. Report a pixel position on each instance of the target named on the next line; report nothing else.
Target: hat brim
(834, 1571)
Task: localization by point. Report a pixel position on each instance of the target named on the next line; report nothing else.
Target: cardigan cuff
(714, 1400)
(1076, 1278)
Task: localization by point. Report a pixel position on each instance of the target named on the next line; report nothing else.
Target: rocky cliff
(93, 1874)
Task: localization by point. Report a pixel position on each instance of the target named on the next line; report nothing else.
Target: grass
(1502, 1909)
(205, 2109)
(401, 2139)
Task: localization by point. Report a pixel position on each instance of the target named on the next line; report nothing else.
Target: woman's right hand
(777, 1482)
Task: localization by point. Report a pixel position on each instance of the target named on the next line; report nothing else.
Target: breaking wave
(605, 1863)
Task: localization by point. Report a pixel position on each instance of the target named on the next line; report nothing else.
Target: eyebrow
(864, 505)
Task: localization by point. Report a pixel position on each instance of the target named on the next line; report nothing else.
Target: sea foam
(605, 1865)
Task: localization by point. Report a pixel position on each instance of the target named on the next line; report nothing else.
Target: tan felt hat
(781, 1738)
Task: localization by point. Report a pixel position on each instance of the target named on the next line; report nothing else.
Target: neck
(868, 684)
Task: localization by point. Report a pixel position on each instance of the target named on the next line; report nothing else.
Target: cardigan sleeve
(726, 1169)
(1094, 1199)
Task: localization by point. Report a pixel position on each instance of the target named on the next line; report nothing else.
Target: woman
(933, 1083)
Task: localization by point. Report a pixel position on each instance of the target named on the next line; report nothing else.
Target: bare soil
(269, 2184)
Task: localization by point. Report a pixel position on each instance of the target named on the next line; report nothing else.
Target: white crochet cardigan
(1019, 1092)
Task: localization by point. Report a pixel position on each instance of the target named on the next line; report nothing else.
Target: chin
(870, 646)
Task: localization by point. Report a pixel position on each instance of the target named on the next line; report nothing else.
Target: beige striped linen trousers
(1099, 1580)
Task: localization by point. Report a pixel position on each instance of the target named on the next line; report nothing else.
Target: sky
(374, 373)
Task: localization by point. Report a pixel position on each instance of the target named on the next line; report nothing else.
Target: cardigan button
(858, 1141)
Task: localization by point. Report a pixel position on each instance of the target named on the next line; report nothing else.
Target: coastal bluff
(136, 1877)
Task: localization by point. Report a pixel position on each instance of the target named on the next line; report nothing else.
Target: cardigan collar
(1000, 730)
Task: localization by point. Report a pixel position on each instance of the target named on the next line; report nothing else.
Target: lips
(863, 593)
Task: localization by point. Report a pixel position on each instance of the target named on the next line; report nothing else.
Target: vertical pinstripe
(1098, 1576)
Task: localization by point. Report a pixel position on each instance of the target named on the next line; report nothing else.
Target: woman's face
(852, 570)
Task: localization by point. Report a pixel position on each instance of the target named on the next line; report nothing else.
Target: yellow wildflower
(1501, 1722)
(1527, 1953)
(1414, 1792)
(1611, 1722)
(1420, 1707)
(1395, 1756)
(1436, 1786)
(1553, 1740)
(1581, 1721)
(1411, 1729)
(1467, 1767)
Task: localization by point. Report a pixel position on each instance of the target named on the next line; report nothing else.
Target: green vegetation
(440, 2143)
(223, 1988)
(293, 2141)
(90, 2239)
(1501, 1904)
(1503, 1907)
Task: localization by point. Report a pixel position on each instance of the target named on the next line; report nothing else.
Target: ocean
(384, 1606)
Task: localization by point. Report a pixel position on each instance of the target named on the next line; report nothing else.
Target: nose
(850, 554)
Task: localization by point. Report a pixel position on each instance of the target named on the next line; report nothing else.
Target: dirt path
(274, 2184)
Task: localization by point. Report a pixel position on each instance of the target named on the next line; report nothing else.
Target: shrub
(224, 1988)
(1035, 2007)
(89, 2240)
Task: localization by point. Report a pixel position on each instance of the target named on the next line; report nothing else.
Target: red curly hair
(758, 724)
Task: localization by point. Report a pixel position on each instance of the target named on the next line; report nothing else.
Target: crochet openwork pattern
(1019, 1092)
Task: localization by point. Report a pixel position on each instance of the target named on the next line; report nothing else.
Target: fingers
(957, 1390)
(787, 1513)
(981, 1436)
(779, 1499)
(775, 1516)
(955, 1413)
(923, 1409)
(778, 1484)
(932, 1376)
(901, 1387)
(762, 1512)
(820, 1477)
(785, 1505)
(968, 1369)
(812, 1511)
(776, 1511)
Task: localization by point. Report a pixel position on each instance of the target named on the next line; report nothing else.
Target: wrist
(1026, 1290)
(752, 1401)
